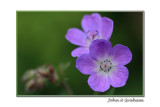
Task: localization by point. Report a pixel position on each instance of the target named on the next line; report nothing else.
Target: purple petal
(91, 22)
(86, 65)
(76, 37)
(106, 28)
(79, 51)
(99, 82)
(100, 48)
(121, 55)
(118, 76)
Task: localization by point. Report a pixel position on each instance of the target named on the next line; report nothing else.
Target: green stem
(66, 86)
(95, 93)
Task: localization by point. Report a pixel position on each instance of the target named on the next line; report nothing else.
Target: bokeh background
(41, 40)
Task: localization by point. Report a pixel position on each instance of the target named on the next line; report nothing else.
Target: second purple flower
(95, 27)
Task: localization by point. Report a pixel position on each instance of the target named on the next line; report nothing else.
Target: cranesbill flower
(105, 65)
(95, 27)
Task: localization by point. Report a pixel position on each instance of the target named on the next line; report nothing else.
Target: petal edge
(79, 51)
(99, 82)
(76, 36)
(86, 65)
(119, 76)
(121, 55)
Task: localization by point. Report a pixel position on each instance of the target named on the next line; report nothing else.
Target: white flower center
(92, 35)
(105, 65)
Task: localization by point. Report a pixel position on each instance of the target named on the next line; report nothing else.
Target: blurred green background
(41, 40)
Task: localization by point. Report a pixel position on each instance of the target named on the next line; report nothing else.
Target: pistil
(92, 35)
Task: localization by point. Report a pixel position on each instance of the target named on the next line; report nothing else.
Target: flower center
(105, 65)
(92, 35)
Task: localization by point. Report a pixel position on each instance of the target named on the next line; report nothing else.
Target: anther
(101, 68)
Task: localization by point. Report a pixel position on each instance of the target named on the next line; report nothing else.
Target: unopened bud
(29, 75)
(51, 70)
(30, 85)
(37, 78)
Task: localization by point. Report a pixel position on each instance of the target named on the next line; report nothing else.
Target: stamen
(105, 65)
(91, 35)
(108, 69)
(101, 68)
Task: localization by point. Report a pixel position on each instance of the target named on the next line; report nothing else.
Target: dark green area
(41, 40)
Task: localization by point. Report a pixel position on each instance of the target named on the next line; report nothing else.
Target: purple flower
(95, 27)
(105, 65)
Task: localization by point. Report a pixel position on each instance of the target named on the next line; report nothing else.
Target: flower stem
(66, 86)
(95, 93)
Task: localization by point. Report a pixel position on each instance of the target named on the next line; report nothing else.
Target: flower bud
(37, 78)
